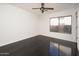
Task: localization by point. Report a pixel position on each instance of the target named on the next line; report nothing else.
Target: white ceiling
(57, 6)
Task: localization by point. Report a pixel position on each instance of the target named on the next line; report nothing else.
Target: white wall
(45, 30)
(16, 24)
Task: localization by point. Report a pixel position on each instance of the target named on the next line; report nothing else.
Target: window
(61, 24)
(54, 24)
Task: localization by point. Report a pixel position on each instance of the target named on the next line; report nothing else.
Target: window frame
(59, 23)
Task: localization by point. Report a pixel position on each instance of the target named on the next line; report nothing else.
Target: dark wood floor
(34, 46)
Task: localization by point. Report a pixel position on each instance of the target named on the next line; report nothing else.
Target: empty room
(39, 29)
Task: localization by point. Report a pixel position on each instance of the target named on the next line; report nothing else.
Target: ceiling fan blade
(42, 4)
(49, 8)
(35, 8)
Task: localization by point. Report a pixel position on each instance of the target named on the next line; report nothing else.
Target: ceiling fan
(43, 9)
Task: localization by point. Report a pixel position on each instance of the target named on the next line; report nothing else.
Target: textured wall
(16, 24)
